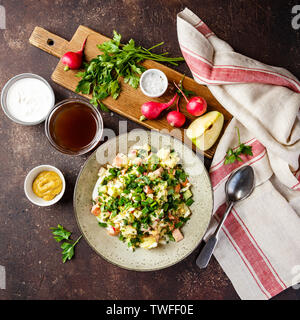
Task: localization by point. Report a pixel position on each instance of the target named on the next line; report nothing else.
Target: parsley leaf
(68, 250)
(84, 86)
(233, 156)
(60, 234)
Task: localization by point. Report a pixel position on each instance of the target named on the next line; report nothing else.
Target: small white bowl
(159, 74)
(29, 181)
(8, 85)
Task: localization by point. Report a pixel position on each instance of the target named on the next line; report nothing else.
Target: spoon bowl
(240, 184)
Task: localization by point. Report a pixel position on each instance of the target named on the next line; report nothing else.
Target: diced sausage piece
(120, 160)
(177, 235)
(96, 210)
(158, 172)
(148, 190)
(171, 217)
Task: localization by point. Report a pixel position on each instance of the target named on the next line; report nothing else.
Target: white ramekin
(32, 174)
(6, 88)
(162, 75)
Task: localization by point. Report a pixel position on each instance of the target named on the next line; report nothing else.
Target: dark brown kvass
(73, 126)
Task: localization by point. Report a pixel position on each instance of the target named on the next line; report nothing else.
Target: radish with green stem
(196, 105)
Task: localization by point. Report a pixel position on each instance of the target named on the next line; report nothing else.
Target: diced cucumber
(187, 194)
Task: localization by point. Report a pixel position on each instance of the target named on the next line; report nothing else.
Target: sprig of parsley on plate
(61, 234)
(102, 74)
(234, 155)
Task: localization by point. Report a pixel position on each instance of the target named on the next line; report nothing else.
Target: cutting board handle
(48, 42)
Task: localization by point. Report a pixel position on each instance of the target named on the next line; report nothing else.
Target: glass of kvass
(74, 127)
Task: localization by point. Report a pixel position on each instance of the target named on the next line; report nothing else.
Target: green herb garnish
(179, 224)
(232, 156)
(189, 202)
(102, 224)
(60, 234)
(170, 236)
(68, 250)
(102, 74)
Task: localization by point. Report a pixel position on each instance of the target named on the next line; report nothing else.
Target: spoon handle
(207, 251)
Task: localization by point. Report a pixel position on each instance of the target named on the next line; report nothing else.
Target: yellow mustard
(47, 185)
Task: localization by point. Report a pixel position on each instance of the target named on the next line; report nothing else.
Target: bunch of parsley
(102, 74)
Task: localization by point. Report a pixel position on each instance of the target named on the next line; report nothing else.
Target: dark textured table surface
(259, 29)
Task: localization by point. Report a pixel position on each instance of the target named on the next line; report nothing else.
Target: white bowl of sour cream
(27, 99)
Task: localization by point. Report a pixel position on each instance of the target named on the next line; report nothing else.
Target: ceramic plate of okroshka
(143, 200)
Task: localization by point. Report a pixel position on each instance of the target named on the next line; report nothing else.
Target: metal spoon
(238, 187)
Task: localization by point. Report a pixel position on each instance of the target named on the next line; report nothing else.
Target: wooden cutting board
(130, 100)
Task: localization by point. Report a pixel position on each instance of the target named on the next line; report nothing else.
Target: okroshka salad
(143, 197)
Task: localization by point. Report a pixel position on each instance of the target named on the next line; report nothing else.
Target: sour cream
(29, 100)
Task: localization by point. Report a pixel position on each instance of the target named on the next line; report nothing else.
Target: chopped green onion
(103, 225)
(189, 202)
(114, 213)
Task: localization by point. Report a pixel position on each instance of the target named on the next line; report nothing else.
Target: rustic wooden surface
(261, 30)
(130, 100)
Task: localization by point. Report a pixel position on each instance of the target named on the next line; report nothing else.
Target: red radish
(73, 60)
(196, 105)
(176, 118)
(151, 110)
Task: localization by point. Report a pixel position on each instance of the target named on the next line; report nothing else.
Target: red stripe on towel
(294, 187)
(259, 248)
(204, 29)
(253, 257)
(245, 262)
(236, 74)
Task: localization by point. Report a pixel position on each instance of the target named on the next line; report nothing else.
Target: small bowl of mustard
(44, 185)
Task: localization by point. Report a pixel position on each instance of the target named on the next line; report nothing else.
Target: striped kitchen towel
(259, 244)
